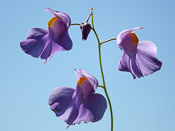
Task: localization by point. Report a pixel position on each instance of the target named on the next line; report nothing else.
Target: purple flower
(44, 44)
(138, 58)
(81, 104)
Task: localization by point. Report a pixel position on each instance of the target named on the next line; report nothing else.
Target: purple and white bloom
(138, 57)
(45, 43)
(81, 104)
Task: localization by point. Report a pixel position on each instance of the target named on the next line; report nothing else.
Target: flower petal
(92, 109)
(84, 87)
(84, 115)
(134, 67)
(56, 28)
(147, 57)
(124, 63)
(36, 33)
(35, 42)
(122, 34)
(129, 64)
(59, 34)
(39, 44)
(61, 15)
(70, 114)
(97, 105)
(50, 49)
(82, 73)
(64, 41)
(61, 100)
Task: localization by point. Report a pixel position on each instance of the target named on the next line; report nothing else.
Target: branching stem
(101, 68)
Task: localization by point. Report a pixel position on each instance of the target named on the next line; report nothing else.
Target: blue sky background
(146, 104)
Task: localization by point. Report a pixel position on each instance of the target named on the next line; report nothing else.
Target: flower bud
(85, 29)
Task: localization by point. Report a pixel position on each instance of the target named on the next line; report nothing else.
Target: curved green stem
(104, 86)
(107, 41)
(101, 68)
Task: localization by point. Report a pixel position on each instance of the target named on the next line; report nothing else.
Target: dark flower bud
(85, 29)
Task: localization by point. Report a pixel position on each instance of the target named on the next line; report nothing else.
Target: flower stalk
(101, 68)
(101, 86)
(75, 24)
(107, 41)
(100, 61)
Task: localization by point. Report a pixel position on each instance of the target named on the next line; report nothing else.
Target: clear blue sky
(146, 104)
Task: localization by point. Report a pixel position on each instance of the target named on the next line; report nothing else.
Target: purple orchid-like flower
(44, 44)
(138, 58)
(81, 104)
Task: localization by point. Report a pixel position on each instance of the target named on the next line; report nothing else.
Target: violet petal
(122, 34)
(63, 96)
(128, 64)
(35, 42)
(147, 57)
(92, 109)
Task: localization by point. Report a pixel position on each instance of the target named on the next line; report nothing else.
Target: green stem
(107, 41)
(101, 68)
(104, 86)
(75, 24)
(101, 86)
(92, 18)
